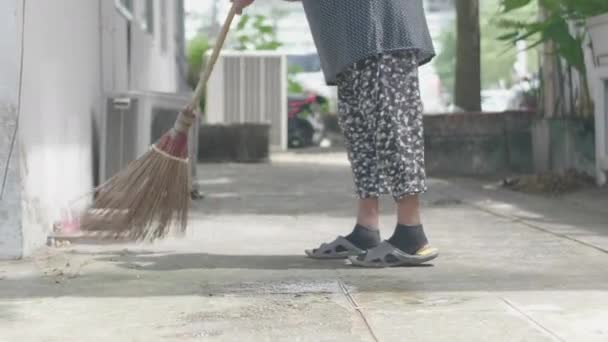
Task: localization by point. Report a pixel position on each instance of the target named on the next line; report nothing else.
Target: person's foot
(408, 246)
(409, 239)
(363, 237)
(354, 244)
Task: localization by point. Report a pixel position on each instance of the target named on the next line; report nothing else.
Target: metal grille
(133, 122)
(252, 81)
(121, 133)
(250, 87)
(232, 89)
(272, 85)
(162, 120)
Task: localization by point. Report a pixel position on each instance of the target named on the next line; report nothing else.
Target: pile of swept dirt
(550, 183)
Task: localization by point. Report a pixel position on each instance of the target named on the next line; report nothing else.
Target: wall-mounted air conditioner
(250, 87)
(133, 121)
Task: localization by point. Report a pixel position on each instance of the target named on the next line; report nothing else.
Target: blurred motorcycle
(305, 121)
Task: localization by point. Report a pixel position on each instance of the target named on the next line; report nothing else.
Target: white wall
(153, 68)
(61, 93)
(11, 239)
(74, 53)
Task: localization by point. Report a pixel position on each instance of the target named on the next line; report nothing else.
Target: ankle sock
(408, 238)
(364, 238)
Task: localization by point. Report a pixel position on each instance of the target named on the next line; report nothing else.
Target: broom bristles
(153, 192)
(148, 198)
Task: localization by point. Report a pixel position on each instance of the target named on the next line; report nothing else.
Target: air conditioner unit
(250, 87)
(133, 121)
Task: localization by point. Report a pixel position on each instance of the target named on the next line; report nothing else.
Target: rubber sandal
(340, 248)
(387, 255)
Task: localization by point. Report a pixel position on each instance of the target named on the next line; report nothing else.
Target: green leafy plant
(294, 86)
(255, 33)
(497, 58)
(196, 50)
(556, 26)
(563, 25)
(195, 54)
(252, 33)
(445, 62)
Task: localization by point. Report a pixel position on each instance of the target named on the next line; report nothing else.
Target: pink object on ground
(69, 223)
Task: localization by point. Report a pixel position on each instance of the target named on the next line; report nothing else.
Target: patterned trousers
(380, 114)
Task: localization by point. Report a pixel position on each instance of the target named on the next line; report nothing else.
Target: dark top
(347, 31)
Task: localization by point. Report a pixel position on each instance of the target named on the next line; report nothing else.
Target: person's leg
(366, 234)
(357, 101)
(357, 94)
(409, 234)
(404, 148)
(368, 212)
(400, 147)
(408, 211)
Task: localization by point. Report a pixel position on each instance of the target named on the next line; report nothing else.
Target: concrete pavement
(513, 267)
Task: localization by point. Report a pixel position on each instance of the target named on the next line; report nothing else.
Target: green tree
(497, 56)
(255, 33)
(252, 33)
(561, 30)
(196, 50)
(445, 62)
(293, 86)
(555, 26)
(467, 83)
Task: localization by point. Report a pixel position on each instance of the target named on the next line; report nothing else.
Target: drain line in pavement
(535, 227)
(532, 320)
(528, 224)
(353, 302)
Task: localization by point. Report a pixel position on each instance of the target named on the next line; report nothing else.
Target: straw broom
(152, 194)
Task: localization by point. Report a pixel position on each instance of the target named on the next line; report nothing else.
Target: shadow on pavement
(203, 282)
(196, 274)
(173, 262)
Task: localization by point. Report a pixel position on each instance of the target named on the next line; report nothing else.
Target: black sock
(364, 238)
(408, 238)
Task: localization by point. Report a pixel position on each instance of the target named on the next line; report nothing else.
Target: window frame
(148, 16)
(164, 26)
(125, 7)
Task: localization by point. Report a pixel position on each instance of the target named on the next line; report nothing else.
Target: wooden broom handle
(206, 74)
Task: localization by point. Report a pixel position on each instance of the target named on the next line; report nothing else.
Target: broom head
(151, 197)
(152, 194)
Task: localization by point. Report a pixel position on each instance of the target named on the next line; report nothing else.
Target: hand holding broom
(152, 194)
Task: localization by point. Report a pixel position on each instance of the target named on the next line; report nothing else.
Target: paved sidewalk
(513, 267)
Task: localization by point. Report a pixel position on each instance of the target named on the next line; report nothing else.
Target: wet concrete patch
(288, 287)
(270, 318)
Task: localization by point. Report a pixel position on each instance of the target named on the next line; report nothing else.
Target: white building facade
(60, 60)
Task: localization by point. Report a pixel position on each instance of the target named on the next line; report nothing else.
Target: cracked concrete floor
(513, 267)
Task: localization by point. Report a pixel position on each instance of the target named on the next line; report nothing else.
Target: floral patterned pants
(380, 114)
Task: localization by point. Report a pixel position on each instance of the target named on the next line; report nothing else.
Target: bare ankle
(408, 211)
(368, 213)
